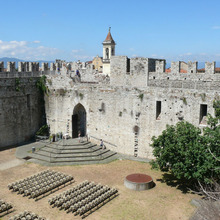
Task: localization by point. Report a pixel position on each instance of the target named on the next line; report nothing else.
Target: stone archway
(78, 121)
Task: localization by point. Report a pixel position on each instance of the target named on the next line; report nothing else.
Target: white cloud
(154, 55)
(25, 50)
(185, 54)
(82, 57)
(216, 27)
(80, 54)
(75, 51)
(200, 57)
(134, 55)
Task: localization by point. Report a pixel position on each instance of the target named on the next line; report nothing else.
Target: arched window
(107, 53)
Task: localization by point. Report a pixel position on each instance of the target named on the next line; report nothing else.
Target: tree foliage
(41, 85)
(43, 131)
(188, 152)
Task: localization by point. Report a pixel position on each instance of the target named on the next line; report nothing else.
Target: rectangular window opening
(203, 114)
(128, 65)
(158, 110)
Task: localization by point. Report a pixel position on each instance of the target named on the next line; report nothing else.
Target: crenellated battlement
(11, 67)
(160, 66)
(27, 69)
(191, 67)
(1, 67)
(143, 72)
(126, 72)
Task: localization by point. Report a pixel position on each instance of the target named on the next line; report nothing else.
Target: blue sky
(72, 30)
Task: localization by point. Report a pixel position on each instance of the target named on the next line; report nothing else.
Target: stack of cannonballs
(83, 198)
(26, 215)
(40, 184)
(5, 206)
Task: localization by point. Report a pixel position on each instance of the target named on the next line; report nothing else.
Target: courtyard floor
(159, 203)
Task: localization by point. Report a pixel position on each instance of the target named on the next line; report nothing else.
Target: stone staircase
(71, 152)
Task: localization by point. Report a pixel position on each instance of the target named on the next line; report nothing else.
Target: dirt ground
(160, 203)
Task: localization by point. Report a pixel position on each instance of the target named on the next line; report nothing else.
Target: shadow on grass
(180, 184)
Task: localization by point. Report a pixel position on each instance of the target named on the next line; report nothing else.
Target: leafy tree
(187, 152)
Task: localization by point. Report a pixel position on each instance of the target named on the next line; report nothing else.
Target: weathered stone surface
(21, 110)
(121, 109)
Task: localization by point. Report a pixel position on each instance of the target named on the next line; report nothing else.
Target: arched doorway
(78, 121)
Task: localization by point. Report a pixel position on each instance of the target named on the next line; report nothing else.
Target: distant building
(108, 51)
(97, 63)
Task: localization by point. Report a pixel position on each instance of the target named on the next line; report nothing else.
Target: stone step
(104, 156)
(72, 163)
(70, 150)
(100, 161)
(80, 159)
(70, 142)
(40, 157)
(43, 152)
(64, 151)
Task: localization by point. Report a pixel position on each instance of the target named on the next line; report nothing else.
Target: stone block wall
(52, 67)
(120, 68)
(1, 67)
(133, 72)
(138, 72)
(210, 67)
(175, 67)
(22, 66)
(44, 67)
(160, 66)
(192, 67)
(129, 117)
(124, 113)
(11, 67)
(21, 110)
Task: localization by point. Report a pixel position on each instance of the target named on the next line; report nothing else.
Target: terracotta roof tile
(109, 38)
(181, 71)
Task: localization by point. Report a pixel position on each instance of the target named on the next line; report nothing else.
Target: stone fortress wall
(126, 109)
(21, 110)
(30, 69)
(137, 103)
(142, 72)
(21, 104)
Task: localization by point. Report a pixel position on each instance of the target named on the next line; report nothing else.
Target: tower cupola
(108, 47)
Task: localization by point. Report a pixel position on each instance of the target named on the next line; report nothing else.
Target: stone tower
(108, 51)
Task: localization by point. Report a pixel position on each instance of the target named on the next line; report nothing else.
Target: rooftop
(109, 39)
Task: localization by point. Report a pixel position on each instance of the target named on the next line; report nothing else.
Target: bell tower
(108, 51)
